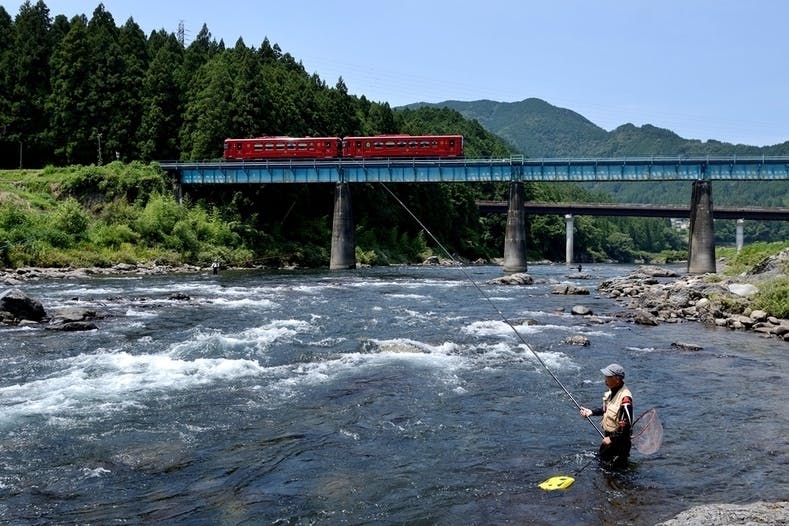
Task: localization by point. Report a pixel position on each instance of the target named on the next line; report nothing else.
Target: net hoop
(647, 434)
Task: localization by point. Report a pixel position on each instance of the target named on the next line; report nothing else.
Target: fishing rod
(495, 308)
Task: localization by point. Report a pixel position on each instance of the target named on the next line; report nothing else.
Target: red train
(379, 146)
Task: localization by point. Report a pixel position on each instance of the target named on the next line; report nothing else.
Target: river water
(379, 396)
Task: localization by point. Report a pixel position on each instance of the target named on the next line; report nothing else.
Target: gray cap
(613, 370)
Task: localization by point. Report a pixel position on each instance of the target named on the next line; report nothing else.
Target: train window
(452, 142)
(412, 144)
(280, 146)
(359, 144)
(269, 146)
(257, 146)
(302, 146)
(238, 146)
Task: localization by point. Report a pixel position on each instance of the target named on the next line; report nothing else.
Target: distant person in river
(617, 413)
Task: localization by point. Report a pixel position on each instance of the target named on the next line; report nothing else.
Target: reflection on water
(393, 395)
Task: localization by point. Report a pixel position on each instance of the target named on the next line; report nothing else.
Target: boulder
(577, 339)
(580, 310)
(21, 306)
(644, 318)
(519, 278)
(759, 315)
(73, 326)
(570, 289)
(742, 289)
(69, 314)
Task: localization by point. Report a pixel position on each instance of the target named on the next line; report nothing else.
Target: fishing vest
(611, 408)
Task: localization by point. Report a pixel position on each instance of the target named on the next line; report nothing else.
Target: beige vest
(611, 408)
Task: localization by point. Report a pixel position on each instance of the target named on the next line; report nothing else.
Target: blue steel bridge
(482, 170)
(701, 170)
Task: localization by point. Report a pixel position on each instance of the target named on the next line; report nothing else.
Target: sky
(705, 69)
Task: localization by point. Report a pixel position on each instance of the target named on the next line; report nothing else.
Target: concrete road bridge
(701, 170)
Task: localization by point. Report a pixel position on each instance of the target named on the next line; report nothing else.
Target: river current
(392, 395)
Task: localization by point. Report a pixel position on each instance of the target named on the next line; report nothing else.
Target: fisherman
(617, 413)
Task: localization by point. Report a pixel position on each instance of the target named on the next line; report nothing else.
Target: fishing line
(493, 305)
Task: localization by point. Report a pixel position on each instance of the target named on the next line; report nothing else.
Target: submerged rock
(577, 339)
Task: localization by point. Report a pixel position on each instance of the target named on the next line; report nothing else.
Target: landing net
(647, 434)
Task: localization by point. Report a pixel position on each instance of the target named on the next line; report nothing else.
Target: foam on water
(249, 343)
(108, 381)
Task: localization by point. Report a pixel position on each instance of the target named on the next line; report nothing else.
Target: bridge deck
(483, 170)
(636, 210)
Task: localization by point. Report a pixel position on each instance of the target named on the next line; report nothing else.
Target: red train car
(282, 148)
(403, 146)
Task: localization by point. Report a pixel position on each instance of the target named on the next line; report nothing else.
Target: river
(393, 395)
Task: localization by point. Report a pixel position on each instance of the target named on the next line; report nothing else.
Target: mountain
(535, 127)
(539, 129)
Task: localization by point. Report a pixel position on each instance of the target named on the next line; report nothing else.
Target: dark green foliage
(27, 79)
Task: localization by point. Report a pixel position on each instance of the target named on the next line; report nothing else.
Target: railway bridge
(701, 170)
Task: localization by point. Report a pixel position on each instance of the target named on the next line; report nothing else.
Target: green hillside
(536, 129)
(539, 129)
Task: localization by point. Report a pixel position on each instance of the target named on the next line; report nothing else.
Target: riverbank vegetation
(767, 265)
(83, 216)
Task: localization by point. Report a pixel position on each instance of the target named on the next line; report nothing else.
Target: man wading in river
(617, 413)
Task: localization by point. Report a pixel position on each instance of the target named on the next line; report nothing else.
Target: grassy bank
(760, 264)
(102, 215)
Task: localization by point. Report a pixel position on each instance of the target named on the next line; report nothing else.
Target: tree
(134, 53)
(69, 100)
(28, 80)
(250, 95)
(107, 95)
(161, 120)
(6, 41)
(208, 113)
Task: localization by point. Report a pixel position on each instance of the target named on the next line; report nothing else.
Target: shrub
(773, 297)
(157, 220)
(71, 219)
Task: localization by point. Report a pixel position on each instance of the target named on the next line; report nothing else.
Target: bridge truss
(482, 170)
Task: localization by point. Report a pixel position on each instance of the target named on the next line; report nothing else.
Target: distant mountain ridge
(539, 129)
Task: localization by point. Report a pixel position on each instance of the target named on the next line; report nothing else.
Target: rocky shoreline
(15, 277)
(754, 514)
(655, 295)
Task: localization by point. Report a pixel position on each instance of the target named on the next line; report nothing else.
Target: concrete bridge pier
(701, 244)
(343, 246)
(740, 236)
(515, 234)
(568, 251)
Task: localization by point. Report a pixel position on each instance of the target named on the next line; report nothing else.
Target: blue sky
(706, 69)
